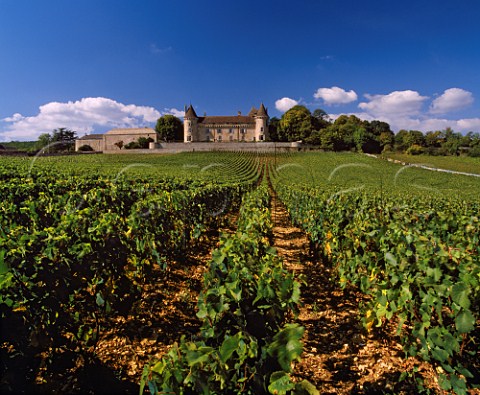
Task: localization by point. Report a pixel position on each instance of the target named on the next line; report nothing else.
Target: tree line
(350, 133)
(346, 133)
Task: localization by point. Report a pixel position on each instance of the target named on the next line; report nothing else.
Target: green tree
(169, 128)
(320, 119)
(452, 142)
(296, 124)
(434, 139)
(415, 137)
(62, 139)
(273, 132)
(44, 139)
(401, 140)
(405, 139)
(144, 142)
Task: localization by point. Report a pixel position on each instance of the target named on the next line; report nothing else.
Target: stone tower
(190, 125)
(261, 124)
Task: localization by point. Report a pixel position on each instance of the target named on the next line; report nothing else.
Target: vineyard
(164, 274)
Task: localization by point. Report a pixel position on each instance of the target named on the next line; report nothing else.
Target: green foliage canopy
(296, 124)
(170, 128)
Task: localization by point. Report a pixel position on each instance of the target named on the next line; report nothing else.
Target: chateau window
(261, 137)
(231, 131)
(219, 130)
(261, 129)
(189, 138)
(219, 138)
(243, 131)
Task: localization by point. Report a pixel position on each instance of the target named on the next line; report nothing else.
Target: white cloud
(174, 111)
(404, 110)
(14, 118)
(156, 50)
(285, 104)
(452, 99)
(82, 116)
(335, 95)
(397, 103)
(469, 124)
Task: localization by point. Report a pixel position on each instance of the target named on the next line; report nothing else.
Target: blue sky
(93, 65)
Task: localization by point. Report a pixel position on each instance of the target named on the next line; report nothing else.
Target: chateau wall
(224, 134)
(173, 148)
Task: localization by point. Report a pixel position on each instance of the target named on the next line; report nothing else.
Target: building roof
(226, 120)
(252, 112)
(121, 131)
(262, 112)
(92, 137)
(190, 113)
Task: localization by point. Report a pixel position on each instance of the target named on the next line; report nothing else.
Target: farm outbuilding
(115, 139)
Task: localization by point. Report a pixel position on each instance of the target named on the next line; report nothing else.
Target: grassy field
(21, 145)
(347, 171)
(457, 163)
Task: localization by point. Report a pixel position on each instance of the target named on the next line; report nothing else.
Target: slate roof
(262, 112)
(226, 120)
(190, 113)
(92, 137)
(130, 131)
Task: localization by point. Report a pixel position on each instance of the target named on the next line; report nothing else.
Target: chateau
(251, 127)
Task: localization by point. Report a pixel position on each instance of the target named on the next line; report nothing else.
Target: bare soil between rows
(339, 356)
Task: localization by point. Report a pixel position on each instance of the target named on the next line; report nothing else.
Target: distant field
(209, 166)
(343, 171)
(329, 171)
(456, 163)
(21, 145)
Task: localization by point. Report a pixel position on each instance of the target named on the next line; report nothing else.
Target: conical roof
(252, 112)
(262, 112)
(190, 113)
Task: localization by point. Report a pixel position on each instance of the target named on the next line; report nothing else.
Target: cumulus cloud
(335, 95)
(285, 104)
(397, 103)
(83, 116)
(405, 110)
(452, 99)
(174, 111)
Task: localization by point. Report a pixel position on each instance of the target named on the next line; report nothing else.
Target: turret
(261, 124)
(190, 125)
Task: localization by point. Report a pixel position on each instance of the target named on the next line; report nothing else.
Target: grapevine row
(417, 259)
(244, 345)
(75, 250)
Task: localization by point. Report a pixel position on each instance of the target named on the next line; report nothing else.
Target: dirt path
(339, 357)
